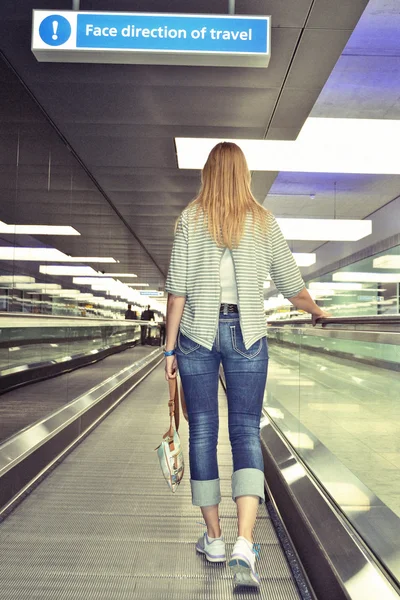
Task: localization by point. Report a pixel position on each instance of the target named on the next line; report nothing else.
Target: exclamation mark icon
(55, 27)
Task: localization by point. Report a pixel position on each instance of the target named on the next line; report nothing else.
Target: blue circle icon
(55, 30)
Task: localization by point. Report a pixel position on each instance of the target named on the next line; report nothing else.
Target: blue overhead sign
(151, 293)
(71, 36)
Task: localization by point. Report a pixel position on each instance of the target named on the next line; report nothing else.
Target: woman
(226, 246)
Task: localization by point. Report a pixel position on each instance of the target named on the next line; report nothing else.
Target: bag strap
(173, 406)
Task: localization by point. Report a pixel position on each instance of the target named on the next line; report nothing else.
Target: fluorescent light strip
(322, 146)
(16, 279)
(367, 277)
(37, 286)
(93, 280)
(65, 292)
(37, 229)
(119, 275)
(325, 229)
(304, 259)
(67, 271)
(46, 254)
(27, 254)
(97, 259)
(137, 284)
(389, 261)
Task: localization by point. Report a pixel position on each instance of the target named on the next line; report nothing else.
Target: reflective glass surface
(368, 287)
(24, 345)
(335, 396)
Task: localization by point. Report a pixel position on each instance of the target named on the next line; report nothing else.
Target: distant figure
(147, 315)
(130, 314)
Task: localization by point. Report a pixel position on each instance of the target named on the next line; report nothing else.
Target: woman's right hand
(319, 315)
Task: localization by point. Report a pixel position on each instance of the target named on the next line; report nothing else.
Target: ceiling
(364, 84)
(114, 174)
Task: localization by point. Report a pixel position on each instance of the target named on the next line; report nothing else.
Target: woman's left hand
(171, 367)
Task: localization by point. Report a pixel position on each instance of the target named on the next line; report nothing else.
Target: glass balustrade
(25, 343)
(334, 393)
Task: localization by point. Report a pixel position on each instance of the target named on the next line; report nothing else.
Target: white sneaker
(242, 563)
(214, 549)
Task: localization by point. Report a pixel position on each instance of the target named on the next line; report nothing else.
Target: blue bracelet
(169, 353)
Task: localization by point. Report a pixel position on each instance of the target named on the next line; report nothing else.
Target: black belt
(228, 308)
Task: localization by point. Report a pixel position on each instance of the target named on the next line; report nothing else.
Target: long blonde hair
(225, 197)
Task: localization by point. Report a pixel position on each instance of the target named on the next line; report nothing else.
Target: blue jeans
(245, 374)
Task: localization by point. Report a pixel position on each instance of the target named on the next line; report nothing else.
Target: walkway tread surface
(104, 524)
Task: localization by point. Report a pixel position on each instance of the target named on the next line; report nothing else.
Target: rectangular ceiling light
(367, 277)
(67, 271)
(28, 254)
(325, 229)
(37, 229)
(138, 284)
(37, 286)
(389, 261)
(16, 279)
(304, 259)
(324, 145)
(93, 280)
(97, 259)
(47, 254)
(66, 293)
(119, 275)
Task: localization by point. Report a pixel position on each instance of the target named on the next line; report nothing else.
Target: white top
(229, 292)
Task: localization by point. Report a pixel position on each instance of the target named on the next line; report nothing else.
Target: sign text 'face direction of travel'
(71, 36)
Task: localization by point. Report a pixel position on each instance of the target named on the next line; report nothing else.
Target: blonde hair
(225, 197)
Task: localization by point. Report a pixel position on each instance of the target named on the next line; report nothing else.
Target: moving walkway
(103, 524)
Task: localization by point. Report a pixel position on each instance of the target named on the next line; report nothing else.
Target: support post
(231, 7)
(75, 4)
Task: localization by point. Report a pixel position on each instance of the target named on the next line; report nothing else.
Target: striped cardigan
(194, 272)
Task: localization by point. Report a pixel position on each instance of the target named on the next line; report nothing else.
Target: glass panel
(369, 287)
(283, 383)
(334, 395)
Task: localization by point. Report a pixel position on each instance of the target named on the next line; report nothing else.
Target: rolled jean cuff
(248, 482)
(205, 493)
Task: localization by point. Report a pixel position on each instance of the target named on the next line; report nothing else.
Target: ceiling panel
(171, 6)
(158, 105)
(357, 196)
(285, 122)
(326, 14)
(365, 83)
(313, 61)
(365, 87)
(121, 121)
(284, 13)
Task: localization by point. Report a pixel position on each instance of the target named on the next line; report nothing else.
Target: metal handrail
(362, 320)
(90, 321)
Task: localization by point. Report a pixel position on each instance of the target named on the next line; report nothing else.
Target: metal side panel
(29, 455)
(338, 564)
(104, 524)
